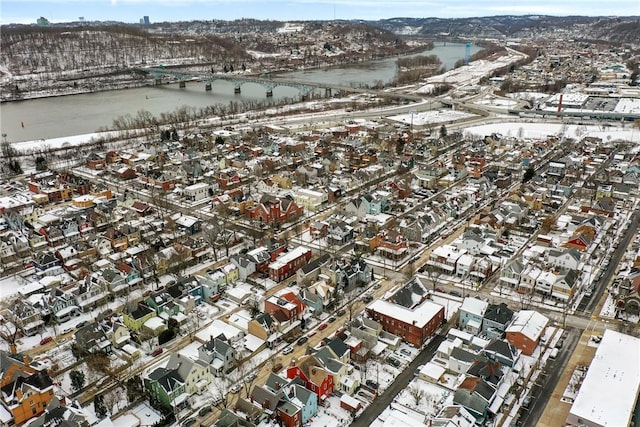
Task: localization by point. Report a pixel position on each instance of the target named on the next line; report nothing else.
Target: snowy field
(472, 73)
(430, 117)
(538, 131)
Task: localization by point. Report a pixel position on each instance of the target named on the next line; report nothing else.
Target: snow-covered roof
(474, 306)
(529, 323)
(432, 370)
(614, 369)
(154, 323)
(419, 316)
(288, 257)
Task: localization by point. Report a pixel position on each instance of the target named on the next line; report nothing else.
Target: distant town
(457, 246)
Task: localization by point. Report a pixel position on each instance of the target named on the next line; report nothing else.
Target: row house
(445, 258)
(287, 303)
(288, 263)
(525, 330)
(392, 245)
(415, 325)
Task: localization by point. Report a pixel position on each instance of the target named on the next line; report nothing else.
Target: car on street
(158, 351)
(310, 334)
(331, 319)
(189, 422)
(323, 326)
(277, 367)
(302, 340)
(377, 286)
(393, 362)
(204, 411)
(252, 376)
(341, 312)
(367, 298)
(372, 384)
(287, 350)
(455, 293)
(81, 324)
(235, 389)
(46, 340)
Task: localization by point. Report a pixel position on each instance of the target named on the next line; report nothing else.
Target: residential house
(14, 365)
(510, 274)
(27, 397)
(316, 377)
(287, 265)
(502, 352)
(93, 339)
(445, 258)
(495, 321)
(138, 317)
(475, 395)
(472, 313)
(166, 387)
(525, 330)
(564, 286)
(414, 324)
(218, 353)
(195, 374)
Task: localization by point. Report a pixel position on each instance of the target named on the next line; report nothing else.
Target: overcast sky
(27, 11)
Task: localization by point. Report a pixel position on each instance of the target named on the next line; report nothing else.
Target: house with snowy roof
(526, 329)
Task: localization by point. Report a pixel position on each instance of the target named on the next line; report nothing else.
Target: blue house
(471, 314)
(308, 399)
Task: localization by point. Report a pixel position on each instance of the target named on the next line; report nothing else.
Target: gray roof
(498, 313)
(465, 355)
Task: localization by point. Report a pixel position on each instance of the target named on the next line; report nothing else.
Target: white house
(196, 192)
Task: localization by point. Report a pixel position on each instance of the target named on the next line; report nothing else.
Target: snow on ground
(628, 105)
(259, 55)
(62, 141)
(544, 130)
(472, 73)
(430, 117)
(9, 286)
(533, 96)
(497, 102)
(424, 397)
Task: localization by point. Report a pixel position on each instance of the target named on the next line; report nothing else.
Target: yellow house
(136, 319)
(83, 202)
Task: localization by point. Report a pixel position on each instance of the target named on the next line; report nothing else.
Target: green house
(136, 318)
(166, 386)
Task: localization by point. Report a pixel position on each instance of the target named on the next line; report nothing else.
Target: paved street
(402, 380)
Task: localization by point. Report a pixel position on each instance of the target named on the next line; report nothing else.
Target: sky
(131, 11)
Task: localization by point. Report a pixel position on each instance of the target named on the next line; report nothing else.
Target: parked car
(367, 298)
(455, 293)
(204, 411)
(323, 326)
(341, 312)
(302, 340)
(405, 352)
(393, 362)
(287, 350)
(235, 389)
(277, 367)
(81, 324)
(46, 340)
(331, 319)
(189, 422)
(310, 334)
(158, 351)
(372, 384)
(252, 376)
(377, 286)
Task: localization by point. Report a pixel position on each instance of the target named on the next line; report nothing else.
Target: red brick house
(275, 304)
(526, 330)
(287, 264)
(290, 415)
(316, 378)
(414, 324)
(228, 178)
(274, 211)
(94, 161)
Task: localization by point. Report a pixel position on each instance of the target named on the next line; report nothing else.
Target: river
(45, 118)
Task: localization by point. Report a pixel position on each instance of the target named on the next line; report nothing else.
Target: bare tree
(417, 393)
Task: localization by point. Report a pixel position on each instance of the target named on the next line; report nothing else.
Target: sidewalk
(556, 412)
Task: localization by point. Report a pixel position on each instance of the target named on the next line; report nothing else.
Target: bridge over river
(269, 83)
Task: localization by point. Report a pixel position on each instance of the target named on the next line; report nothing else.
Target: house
(166, 387)
(567, 259)
(495, 321)
(27, 397)
(445, 258)
(317, 379)
(264, 327)
(119, 334)
(196, 192)
(195, 374)
(501, 351)
(190, 224)
(511, 272)
(218, 353)
(453, 416)
(286, 265)
(525, 330)
(349, 403)
(93, 339)
(12, 366)
(415, 325)
(564, 285)
(307, 399)
(138, 317)
(472, 313)
(475, 395)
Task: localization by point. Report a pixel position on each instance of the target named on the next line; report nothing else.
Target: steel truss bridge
(305, 88)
